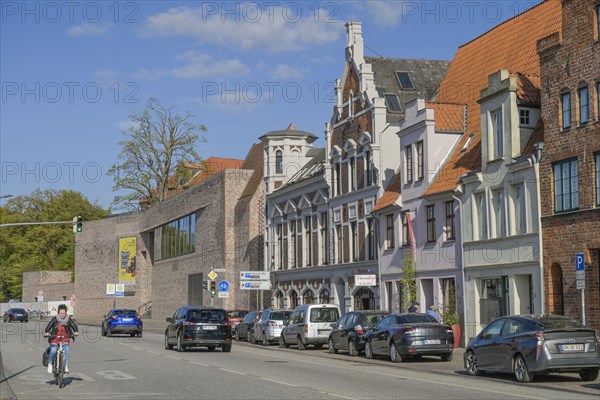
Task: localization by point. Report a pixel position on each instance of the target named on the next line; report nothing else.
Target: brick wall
(54, 284)
(569, 61)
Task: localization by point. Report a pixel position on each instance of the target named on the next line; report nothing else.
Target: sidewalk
(150, 325)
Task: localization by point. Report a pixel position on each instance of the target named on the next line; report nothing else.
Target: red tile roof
(449, 117)
(211, 166)
(392, 192)
(511, 45)
(528, 91)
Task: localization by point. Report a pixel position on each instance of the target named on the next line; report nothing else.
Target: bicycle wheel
(61, 370)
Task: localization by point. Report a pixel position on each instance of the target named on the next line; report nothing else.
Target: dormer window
(409, 163)
(497, 134)
(392, 103)
(279, 162)
(405, 80)
(524, 119)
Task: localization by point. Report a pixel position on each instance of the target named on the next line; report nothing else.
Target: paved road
(131, 368)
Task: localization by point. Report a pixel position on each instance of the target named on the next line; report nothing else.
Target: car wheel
(394, 354)
(446, 357)
(301, 345)
(226, 348)
(102, 331)
(352, 348)
(331, 347)
(132, 334)
(180, 347)
(369, 350)
(251, 337)
(167, 345)
(139, 334)
(265, 342)
(472, 366)
(211, 348)
(282, 342)
(109, 333)
(589, 374)
(521, 372)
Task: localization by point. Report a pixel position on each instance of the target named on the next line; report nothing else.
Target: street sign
(219, 269)
(255, 285)
(223, 295)
(110, 289)
(212, 275)
(580, 275)
(255, 276)
(120, 290)
(365, 280)
(579, 262)
(223, 286)
(40, 298)
(40, 293)
(580, 284)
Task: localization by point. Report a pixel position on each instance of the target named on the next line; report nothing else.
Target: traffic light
(77, 224)
(213, 288)
(205, 285)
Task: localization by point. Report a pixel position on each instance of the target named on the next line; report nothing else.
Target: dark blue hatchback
(120, 320)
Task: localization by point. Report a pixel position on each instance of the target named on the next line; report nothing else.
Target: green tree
(159, 141)
(39, 247)
(408, 282)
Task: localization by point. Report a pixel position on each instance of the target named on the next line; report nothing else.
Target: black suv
(198, 327)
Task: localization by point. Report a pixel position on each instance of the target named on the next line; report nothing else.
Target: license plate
(431, 341)
(19, 315)
(127, 319)
(324, 331)
(209, 328)
(571, 347)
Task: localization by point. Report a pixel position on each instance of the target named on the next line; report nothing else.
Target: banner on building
(127, 260)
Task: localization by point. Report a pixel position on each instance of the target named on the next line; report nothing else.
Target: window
(499, 213)
(392, 103)
(324, 239)
(450, 235)
(279, 162)
(389, 238)
(524, 117)
(353, 173)
(308, 240)
(338, 181)
(350, 104)
(431, 223)
(420, 166)
(598, 22)
(404, 80)
(566, 110)
(369, 168)
(584, 113)
(324, 296)
(597, 179)
(405, 230)
(280, 245)
(268, 162)
(566, 185)
(520, 209)
(497, 132)
(354, 233)
(294, 243)
(177, 237)
(338, 232)
(480, 205)
(409, 163)
(371, 238)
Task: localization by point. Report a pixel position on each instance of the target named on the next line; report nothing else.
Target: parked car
(400, 336)
(235, 317)
(528, 345)
(348, 333)
(121, 320)
(198, 327)
(269, 326)
(309, 324)
(244, 328)
(16, 314)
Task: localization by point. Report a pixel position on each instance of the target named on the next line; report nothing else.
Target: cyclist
(61, 325)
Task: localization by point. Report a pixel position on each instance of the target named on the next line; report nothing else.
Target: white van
(309, 324)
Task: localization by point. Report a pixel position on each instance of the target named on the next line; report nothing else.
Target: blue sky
(72, 72)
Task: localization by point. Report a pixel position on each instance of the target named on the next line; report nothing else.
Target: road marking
(173, 358)
(233, 372)
(197, 363)
(153, 352)
(115, 375)
(281, 383)
(139, 348)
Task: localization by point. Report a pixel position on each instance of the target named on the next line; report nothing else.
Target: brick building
(570, 165)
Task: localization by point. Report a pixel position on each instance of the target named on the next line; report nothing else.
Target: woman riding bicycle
(59, 329)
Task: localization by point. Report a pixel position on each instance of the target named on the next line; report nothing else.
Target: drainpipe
(462, 262)
(536, 157)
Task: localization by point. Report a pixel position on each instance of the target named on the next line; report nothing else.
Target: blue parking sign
(223, 286)
(579, 262)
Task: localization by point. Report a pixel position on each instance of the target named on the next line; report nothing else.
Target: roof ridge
(367, 58)
(502, 23)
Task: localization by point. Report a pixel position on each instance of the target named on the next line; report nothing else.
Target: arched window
(324, 296)
(555, 295)
(279, 162)
(278, 300)
(293, 299)
(308, 297)
(364, 299)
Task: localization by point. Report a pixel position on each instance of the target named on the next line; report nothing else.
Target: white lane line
(173, 358)
(139, 348)
(197, 363)
(281, 383)
(233, 372)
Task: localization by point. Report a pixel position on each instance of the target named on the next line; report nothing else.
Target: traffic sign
(580, 284)
(579, 262)
(219, 269)
(255, 276)
(120, 290)
(212, 275)
(40, 298)
(223, 295)
(580, 275)
(223, 286)
(110, 289)
(255, 285)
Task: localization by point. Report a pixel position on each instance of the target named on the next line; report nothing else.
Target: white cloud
(88, 29)
(198, 66)
(384, 13)
(125, 126)
(273, 29)
(284, 71)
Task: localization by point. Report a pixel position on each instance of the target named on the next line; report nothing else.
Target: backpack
(46, 356)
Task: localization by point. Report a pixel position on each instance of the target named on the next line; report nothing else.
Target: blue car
(124, 321)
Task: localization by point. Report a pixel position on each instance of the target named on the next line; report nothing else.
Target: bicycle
(59, 362)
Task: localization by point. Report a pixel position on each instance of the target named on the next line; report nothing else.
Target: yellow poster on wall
(127, 260)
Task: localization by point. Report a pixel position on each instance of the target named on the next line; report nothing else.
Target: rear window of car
(559, 323)
(280, 316)
(207, 316)
(324, 315)
(236, 314)
(125, 312)
(415, 319)
(19, 310)
(371, 319)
